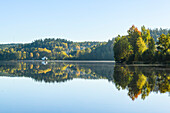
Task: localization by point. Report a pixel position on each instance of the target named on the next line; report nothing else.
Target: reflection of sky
(23, 95)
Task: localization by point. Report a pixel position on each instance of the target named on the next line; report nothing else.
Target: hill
(57, 49)
(3, 46)
(104, 51)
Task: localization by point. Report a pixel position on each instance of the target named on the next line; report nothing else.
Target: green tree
(151, 45)
(37, 55)
(19, 55)
(133, 35)
(122, 49)
(145, 33)
(141, 47)
(163, 43)
(149, 54)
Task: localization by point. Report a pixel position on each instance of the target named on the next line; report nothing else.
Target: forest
(149, 45)
(141, 46)
(56, 49)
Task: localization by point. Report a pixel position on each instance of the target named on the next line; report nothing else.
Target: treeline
(141, 46)
(104, 51)
(54, 49)
(3, 46)
(145, 45)
(59, 49)
(155, 33)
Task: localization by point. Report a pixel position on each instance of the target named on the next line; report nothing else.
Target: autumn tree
(31, 55)
(136, 38)
(141, 47)
(133, 35)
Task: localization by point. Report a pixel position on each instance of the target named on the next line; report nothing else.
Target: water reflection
(57, 72)
(142, 80)
(138, 80)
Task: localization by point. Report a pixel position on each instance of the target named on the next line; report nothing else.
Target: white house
(44, 58)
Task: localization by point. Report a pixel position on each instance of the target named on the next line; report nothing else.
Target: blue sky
(78, 20)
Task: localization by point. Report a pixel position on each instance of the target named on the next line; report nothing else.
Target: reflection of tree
(138, 80)
(136, 86)
(141, 80)
(122, 76)
(57, 72)
(163, 83)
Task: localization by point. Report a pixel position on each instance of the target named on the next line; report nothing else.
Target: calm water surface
(83, 87)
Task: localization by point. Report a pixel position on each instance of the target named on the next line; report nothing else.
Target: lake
(83, 87)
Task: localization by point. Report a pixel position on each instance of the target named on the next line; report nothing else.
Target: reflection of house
(44, 58)
(44, 62)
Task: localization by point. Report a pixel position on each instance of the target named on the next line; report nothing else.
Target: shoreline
(107, 61)
(91, 61)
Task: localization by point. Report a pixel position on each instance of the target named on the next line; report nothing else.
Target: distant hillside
(57, 49)
(104, 51)
(155, 33)
(3, 46)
